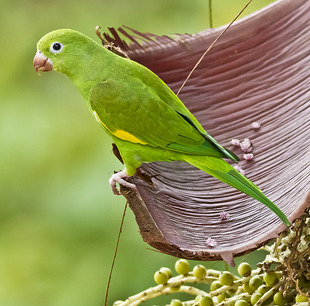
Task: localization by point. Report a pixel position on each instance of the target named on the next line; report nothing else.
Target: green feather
(229, 175)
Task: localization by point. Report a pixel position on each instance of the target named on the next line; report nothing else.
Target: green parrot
(145, 119)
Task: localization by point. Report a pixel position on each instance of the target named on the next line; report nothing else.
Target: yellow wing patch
(120, 133)
(127, 136)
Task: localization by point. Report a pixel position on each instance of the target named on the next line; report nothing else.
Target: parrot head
(61, 50)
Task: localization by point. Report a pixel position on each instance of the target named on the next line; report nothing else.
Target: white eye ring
(56, 47)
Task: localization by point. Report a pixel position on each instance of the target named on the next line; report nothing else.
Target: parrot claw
(119, 178)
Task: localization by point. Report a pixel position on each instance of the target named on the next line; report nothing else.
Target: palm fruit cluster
(283, 278)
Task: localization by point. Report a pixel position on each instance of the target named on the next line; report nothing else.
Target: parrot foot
(119, 178)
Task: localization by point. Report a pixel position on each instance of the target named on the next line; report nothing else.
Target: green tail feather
(227, 174)
(227, 153)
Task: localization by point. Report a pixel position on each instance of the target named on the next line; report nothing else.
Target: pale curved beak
(42, 63)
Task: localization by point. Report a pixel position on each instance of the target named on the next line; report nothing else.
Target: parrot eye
(56, 47)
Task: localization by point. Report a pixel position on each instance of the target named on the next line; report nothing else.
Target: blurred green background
(59, 219)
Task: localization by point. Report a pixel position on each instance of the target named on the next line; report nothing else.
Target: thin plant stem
(114, 257)
(210, 14)
(210, 47)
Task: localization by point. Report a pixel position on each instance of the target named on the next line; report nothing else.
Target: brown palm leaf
(258, 71)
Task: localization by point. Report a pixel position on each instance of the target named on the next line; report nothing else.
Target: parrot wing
(133, 111)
